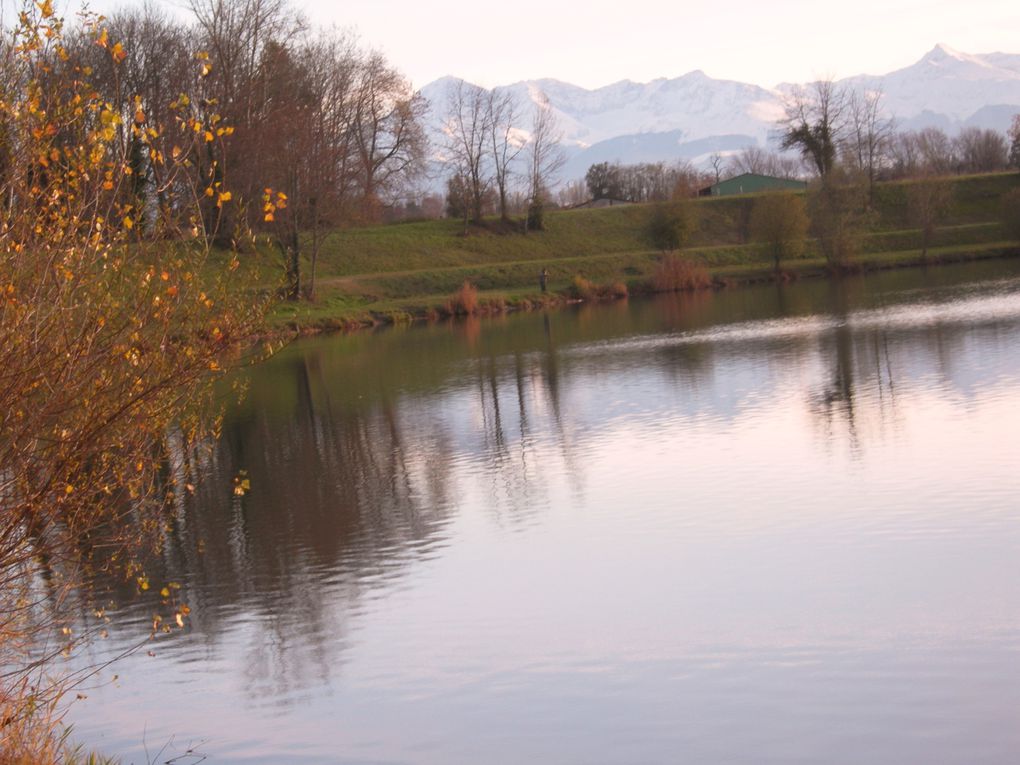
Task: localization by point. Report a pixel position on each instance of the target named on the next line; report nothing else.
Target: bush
(465, 300)
(582, 288)
(672, 224)
(536, 216)
(678, 274)
(618, 290)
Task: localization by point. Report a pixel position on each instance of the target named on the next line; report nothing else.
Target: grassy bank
(410, 270)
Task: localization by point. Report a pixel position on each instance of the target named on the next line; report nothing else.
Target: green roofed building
(751, 183)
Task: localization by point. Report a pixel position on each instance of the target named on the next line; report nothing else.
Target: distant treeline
(825, 128)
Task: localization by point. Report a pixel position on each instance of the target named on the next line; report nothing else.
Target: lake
(772, 524)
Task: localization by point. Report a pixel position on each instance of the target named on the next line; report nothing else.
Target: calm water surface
(777, 524)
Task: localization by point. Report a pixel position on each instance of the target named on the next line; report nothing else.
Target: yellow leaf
(165, 592)
(128, 223)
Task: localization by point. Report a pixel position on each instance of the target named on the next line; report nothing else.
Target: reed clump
(676, 273)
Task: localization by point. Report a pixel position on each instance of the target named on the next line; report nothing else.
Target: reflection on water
(769, 524)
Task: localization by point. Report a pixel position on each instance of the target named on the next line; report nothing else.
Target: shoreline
(497, 303)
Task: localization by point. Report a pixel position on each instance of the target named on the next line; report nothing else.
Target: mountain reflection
(362, 450)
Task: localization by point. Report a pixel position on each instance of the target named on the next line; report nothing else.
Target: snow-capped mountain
(952, 89)
(693, 116)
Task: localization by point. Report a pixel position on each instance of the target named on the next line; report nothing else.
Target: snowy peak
(949, 83)
(942, 54)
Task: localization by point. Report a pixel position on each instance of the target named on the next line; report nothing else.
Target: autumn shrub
(464, 301)
(676, 273)
(582, 288)
(112, 328)
(585, 289)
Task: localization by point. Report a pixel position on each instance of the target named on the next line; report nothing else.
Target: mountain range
(693, 116)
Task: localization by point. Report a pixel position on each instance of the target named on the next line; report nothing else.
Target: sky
(598, 42)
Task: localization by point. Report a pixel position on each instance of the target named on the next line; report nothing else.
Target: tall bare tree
(388, 131)
(468, 133)
(868, 134)
(545, 159)
(503, 142)
(981, 151)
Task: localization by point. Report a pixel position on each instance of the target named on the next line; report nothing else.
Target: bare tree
(573, 194)
(981, 151)
(868, 134)
(905, 155)
(503, 142)
(750, 159)
(936, 151)
(545, 159)
(329, 161)
(468, 132)
(815, 122)
(717, 162)
(388, 131)
(759, 161)
(235, 34)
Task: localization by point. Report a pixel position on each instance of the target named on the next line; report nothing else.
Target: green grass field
(400, 271)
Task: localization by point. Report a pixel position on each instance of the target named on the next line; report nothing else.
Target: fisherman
(543, 277)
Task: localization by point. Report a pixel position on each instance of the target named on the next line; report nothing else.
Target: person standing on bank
(543, 278)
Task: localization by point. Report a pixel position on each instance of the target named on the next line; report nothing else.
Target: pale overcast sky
(597, 42)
